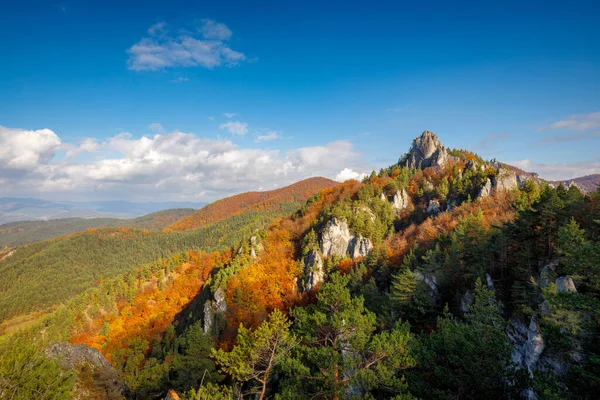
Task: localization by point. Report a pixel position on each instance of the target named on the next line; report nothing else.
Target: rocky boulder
(426, 151)
(400, 200)
(505, 180)
(485, 190)
(313, 270)
(212, 308)
(528, 344)
(95, 376)
(359, 247)
(565, 284)
(336, 239)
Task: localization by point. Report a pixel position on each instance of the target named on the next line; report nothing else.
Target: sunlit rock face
(426, 151)
(336, 239)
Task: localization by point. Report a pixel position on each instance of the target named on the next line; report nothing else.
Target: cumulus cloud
(235, 127)
(206, 46)
(25, 151)
(559, 171)
(268, 136)
(577, 122)
(168, 166)
(156, 127)
(347, 174)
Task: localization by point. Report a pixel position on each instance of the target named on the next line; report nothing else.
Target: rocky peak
(426, 151)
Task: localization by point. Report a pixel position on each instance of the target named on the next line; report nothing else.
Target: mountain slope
(284, 200)
(23, 232)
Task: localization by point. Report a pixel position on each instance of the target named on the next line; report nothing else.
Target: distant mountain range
(28, 209)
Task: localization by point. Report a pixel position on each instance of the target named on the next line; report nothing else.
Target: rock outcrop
(400, 200)
(505, 180)
(95, 376)
(565, 284)
(434, 207)
(313, 270)
(426, 151)
(336, 239)
(212, 308)
(486, 189)
(528, 344)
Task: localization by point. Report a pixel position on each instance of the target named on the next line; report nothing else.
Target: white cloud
(560, 171)
(156, 127)
(205, 47)
(577, 122)
(25, 150)
(171, 166)
(88, 145)
(348, 173)
(268, 136)
(229, 115)
(235, 127)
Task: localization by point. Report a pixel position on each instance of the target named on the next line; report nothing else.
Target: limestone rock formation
(505, 180)
(95, 376)
(400, 200)
(565, 284)
(212, 308)
(359, 247)
(528, 344)
(486, 189)
(313, 269)
(336, 239)
(426, 151)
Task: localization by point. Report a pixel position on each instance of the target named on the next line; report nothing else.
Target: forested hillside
(284, 200)
(19, 233)
(444, 276)
(44, 274)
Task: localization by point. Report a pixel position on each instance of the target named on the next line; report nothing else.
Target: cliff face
(426, 151)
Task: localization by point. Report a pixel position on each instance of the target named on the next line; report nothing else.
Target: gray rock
(212, 308)
(313, 269)
(105, 384)
(434, 207)
(505, 180)
(400, 200)
(335, 238)
(426, 151)
(546, 273)
(359, 247)
(528, 344)
(383, 197)
(466, 302)
(486, 190)
(565, 284)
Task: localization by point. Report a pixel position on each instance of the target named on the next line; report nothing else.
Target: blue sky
(96, 96)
